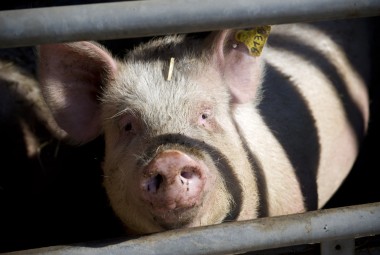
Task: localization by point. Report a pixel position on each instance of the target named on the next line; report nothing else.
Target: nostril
(188, 173)
(154, 183)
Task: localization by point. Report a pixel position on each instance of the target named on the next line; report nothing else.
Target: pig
(23, 109)
(198, 131)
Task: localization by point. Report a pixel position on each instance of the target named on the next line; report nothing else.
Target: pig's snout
(173, 180)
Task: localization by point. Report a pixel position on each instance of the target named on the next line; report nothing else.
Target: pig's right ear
(238, 67)
(71, 76)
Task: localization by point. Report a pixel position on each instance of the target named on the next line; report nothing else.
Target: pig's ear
(71, 77)
(240, 70)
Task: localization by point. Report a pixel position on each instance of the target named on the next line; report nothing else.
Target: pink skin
(172, 183)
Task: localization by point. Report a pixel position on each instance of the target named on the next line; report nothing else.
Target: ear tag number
(254, 39)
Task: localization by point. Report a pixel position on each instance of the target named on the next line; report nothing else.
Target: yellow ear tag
(254, 39)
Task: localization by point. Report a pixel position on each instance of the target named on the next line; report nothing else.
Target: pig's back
(315, 111)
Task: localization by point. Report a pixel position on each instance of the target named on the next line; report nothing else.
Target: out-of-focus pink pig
(230, 136)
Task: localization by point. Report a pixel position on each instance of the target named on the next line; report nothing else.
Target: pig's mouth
(176, 218)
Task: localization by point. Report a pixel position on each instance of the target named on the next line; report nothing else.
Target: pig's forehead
(144, 87)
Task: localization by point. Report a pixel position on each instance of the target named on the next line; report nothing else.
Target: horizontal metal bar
(238, 237)
(157, 17)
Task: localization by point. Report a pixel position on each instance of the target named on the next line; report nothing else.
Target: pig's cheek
(114, 185)
(126, 138)
(121, 189)
(216, 201)
(215, 206)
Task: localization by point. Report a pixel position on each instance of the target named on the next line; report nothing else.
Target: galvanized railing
(336, 230)
(157, 17)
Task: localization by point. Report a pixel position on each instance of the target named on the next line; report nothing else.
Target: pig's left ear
(238, 61)
(71, 77)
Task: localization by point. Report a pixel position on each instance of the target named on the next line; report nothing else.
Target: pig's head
(173, 155)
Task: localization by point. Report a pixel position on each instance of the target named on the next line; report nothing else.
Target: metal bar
(157, 17)
(238, 237)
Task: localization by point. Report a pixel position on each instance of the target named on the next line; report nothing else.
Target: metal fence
(146, 18)
(336, 229)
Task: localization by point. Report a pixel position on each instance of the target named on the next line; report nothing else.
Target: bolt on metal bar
(156, 17)
(337, 247)
(237, 237)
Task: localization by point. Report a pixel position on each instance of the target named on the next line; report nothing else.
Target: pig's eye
(128, 127)
(204, 116)
(206, 119)
(127, 124)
